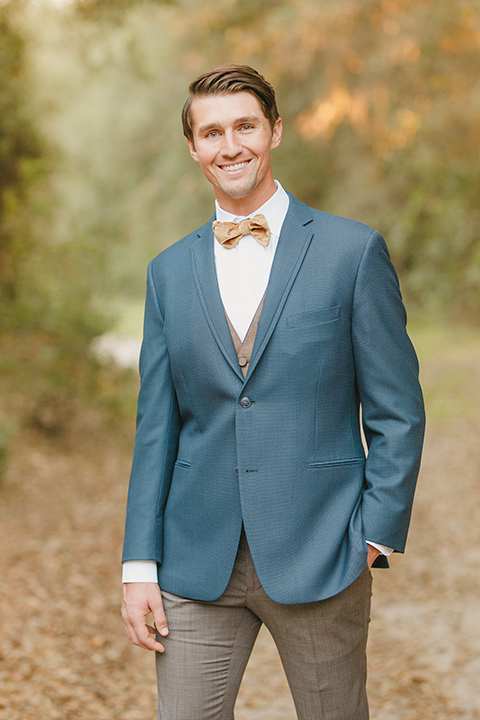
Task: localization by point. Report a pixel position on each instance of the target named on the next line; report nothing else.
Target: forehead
(224, 109)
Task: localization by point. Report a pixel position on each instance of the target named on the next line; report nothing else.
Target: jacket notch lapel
(293, 244)
(205, 277)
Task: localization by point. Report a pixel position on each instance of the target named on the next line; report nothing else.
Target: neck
(246, 204)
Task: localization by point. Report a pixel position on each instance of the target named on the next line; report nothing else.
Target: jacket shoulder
(333, 225)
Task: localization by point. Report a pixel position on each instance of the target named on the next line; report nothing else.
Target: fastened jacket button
(245, 402)
(242, 361)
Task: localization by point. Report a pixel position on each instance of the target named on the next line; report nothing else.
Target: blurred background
(381, 107)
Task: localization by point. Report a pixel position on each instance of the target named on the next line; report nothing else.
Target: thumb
(159, 617)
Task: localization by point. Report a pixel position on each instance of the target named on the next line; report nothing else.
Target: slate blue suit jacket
(281, 449)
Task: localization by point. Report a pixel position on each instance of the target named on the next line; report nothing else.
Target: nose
(230, 145)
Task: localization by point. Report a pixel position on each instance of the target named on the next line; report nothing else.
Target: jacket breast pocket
(183, 464)
(314, 317)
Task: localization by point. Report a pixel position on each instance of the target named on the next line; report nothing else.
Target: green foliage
(6, 434)
(47, 283)
(380, 101)
(20, 160)
(111, 10)
(449, 369)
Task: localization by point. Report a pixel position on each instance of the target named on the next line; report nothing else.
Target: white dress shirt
(242, 275)
(243, 271)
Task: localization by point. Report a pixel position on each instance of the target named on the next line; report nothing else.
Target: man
(250, 498)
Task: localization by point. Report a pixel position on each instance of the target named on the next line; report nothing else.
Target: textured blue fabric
(290, 464)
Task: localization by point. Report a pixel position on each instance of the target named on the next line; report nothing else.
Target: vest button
(245, 402)
(242, 361)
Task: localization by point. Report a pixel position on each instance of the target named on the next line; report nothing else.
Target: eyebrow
(240, 121)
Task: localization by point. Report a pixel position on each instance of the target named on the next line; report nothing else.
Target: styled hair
(226, 79)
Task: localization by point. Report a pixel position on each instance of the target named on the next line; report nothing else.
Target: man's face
(232, 141)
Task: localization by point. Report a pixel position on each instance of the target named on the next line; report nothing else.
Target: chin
(240, 190)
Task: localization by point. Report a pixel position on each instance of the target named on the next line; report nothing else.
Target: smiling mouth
(235, 167)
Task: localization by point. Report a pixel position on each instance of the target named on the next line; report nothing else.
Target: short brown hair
(226, 79)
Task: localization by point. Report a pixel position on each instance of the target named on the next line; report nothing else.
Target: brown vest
(244, 349)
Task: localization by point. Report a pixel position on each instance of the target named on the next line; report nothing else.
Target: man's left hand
(373, 553)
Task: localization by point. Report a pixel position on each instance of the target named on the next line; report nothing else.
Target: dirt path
(63, 654)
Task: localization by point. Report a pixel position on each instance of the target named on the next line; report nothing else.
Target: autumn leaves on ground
(63, 653)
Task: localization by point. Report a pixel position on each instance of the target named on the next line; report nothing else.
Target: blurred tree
(385, 99)
(112, 9)
(48, 318)
(380, 100)
(20, 162)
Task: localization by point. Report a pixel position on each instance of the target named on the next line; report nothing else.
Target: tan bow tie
(228, 234)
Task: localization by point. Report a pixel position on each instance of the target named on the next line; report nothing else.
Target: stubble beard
(232, 190)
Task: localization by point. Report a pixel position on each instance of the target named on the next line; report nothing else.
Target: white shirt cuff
(383, 548)
(139, 571)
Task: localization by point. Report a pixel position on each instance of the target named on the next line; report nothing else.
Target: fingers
(139, 600)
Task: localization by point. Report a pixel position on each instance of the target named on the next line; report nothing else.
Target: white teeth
(232, 168)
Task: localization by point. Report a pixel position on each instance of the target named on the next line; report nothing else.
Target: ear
(193, 152)
(277, 133)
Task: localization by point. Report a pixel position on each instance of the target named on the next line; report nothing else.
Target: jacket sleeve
(156, 439)
(391, 399)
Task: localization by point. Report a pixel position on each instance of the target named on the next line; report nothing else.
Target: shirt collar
(275, 210)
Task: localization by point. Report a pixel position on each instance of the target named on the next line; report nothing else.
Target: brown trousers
(322, 646)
